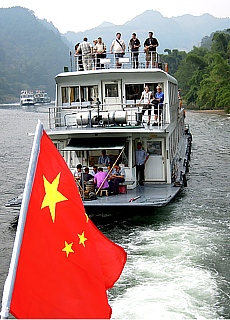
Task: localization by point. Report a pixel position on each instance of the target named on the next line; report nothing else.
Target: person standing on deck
(146, 96)
(87, 50)
(150, 48)
(141, 159)
(118, 46)
(100, 52)
(134, 45)
(158, 104)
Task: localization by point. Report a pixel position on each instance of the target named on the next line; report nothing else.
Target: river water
(178, 256)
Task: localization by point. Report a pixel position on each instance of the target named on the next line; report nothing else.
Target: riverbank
(221, 112)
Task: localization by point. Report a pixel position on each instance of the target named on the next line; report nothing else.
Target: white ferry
(99, 109)
(41, 97)
(27, 98)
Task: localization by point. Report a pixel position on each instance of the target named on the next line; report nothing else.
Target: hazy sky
(77, 15)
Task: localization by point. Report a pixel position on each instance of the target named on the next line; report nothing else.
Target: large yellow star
(82, 238)
(68, 248)
(52, 195)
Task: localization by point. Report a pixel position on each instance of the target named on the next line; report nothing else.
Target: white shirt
(141, 156)
(117, 47)
(146, 96)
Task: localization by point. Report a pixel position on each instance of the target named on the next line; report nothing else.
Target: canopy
(79, 144)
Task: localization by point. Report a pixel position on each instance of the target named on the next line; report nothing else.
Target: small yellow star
(52, 195)
(82, 238)
(68, 248)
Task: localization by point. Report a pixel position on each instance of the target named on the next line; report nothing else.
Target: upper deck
(108, 95)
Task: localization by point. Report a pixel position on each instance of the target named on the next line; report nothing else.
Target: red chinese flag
(65, 263)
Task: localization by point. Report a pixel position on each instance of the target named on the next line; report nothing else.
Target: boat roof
(115, 74)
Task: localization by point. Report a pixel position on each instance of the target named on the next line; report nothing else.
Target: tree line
(203, 73)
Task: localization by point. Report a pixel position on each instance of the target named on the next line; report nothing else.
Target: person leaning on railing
(78, 54)
(118, 46)
(87, 51)
(150, 48)
(134, 45)
(146, 96)
(158, 103)
(100, 48)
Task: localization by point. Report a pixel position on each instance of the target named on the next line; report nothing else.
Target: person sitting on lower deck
(86, 175)
(77, 172)
(101, 179)
(117, 176)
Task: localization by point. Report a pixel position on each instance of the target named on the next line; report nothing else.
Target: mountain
(180, 33)
(32, 52)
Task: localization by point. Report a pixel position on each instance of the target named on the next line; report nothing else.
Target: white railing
(110, 61)
(125, 115)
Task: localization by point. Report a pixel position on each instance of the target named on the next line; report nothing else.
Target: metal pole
(9, 283)
(110, 170)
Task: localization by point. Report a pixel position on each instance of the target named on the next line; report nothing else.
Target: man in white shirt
(118, 46)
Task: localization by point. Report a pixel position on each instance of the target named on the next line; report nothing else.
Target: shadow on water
(124, 219)
(13, 223)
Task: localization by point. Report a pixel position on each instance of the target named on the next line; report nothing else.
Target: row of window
(90, 95)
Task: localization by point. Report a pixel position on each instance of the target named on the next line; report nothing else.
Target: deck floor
(150, 195)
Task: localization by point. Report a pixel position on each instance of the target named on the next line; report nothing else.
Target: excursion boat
(27, 98)
(99, 109)
(41, 97)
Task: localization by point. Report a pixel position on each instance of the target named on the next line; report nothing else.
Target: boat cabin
(100, 109)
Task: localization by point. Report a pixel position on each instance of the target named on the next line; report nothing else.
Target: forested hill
(31, 53)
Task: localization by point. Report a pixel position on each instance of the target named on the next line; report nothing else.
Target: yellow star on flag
(82, 238)
(68, 248)
(52, 195)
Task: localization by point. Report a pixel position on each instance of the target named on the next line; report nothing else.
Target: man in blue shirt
(158, 103)
(104, 159)
(141, 158)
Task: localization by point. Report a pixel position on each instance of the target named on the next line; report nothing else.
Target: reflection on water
(178, 256)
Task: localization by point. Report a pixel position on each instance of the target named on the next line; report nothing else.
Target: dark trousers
(113, 184)
(140, 172)
(98, 57)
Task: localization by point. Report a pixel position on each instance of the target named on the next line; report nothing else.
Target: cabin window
(133, 92)
(154, 148)
(79, 94)
(65, 95)
(74, 94)
(94, 155)
(111, 90)
(89, 93)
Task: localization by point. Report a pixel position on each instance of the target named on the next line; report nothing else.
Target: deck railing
(123, 115)
(110, 61)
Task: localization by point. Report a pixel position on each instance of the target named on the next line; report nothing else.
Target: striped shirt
(85, 47)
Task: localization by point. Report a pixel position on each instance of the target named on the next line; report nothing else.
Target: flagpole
(9, 283)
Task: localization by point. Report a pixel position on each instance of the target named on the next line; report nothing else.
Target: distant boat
(27, 98)
(41, 96)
